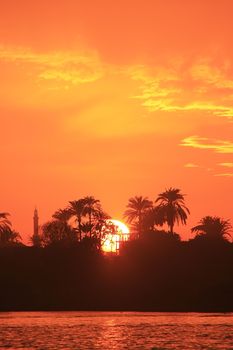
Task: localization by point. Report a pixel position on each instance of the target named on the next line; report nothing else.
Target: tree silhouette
(100, 218)
(57, 232)
(137, 206)
(151, 219)
(9, 237)
(87, 228)
(171, 208)
(5, 223)
(91, 208)
(62, 215)
(77, 209)
(36, 241)
(88, 215)
(213, 227)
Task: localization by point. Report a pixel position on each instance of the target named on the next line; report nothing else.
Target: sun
(121, 227)
(114, 233)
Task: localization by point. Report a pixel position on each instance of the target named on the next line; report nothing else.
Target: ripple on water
(115, 331)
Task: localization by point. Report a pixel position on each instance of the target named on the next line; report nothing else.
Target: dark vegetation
(66, 268)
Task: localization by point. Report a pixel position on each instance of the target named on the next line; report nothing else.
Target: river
(115, 330)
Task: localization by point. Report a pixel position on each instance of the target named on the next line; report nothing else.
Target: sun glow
(114, 233)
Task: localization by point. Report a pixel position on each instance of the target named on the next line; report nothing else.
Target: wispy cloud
(156, 88)
(219, 146)
(227, 165)
(225, 174)
(195, 86)
(207, 73)
(199, 85)
(72, 67)
(168, 104)
(191, 165)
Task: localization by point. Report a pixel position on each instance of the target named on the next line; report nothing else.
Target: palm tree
(77, 209)
(151, 219)
(171, 208)
(57, 232)
(101, 218)
(91, 208)
(213, 227)
(86, 228)
(137, 206)
(5, 223)
(9, 237)
(62, 215)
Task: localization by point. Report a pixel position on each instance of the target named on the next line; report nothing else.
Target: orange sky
(115, 99)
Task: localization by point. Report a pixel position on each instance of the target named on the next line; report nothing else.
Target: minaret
(36, 223)
(35, 237)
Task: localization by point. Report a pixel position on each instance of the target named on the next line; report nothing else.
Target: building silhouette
(36, 237)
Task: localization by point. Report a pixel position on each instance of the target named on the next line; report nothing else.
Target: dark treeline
(66, 268)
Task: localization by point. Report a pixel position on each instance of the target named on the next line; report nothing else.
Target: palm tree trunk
(171, 227)
(80, 228)
(139, 225)
(90, 223)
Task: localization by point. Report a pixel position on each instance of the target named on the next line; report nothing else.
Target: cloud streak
(227, 165)
(218, 146)
(174, 86)
(191, 165)
(72, 67)
(195, 86)
(224, 175)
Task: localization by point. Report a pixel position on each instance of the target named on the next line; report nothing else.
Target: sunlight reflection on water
(115, 330)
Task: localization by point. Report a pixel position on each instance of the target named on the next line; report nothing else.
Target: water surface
(115, 331)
